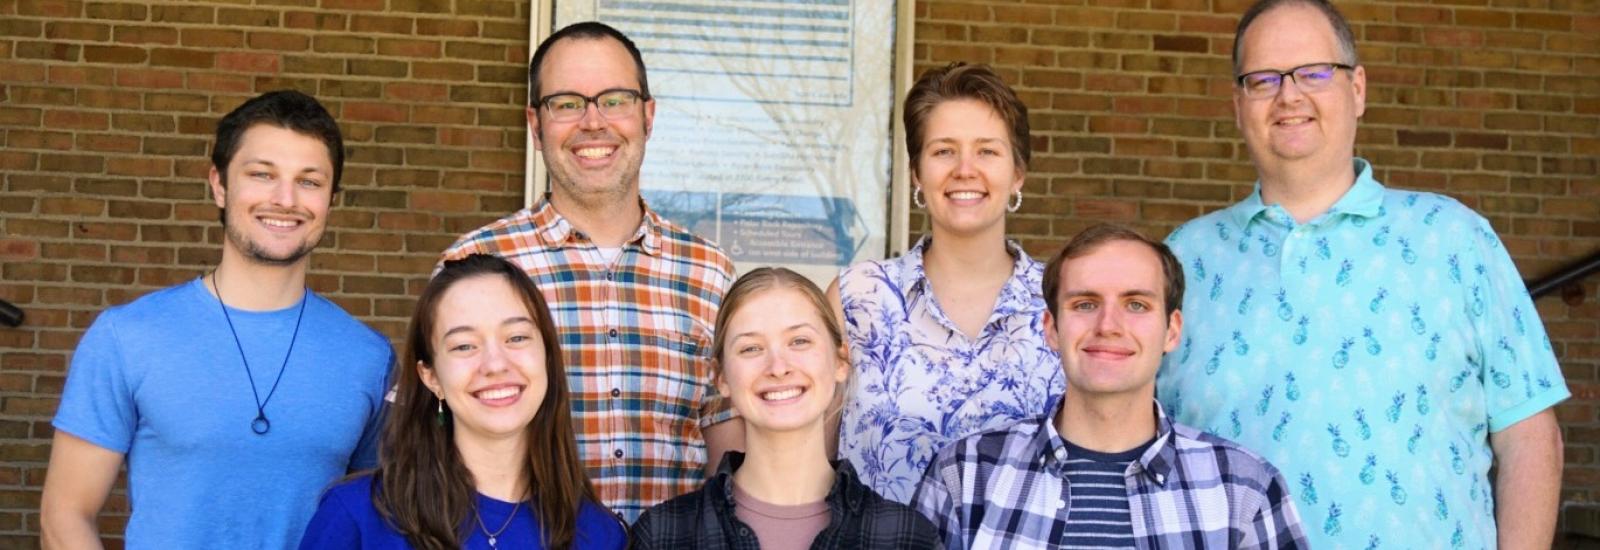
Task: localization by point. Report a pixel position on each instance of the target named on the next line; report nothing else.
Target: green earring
(439, 418)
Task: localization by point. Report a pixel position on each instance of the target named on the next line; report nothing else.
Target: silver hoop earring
(1016, 202)
(916, 197)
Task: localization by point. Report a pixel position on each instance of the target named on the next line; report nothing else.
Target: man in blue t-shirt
(1377, 345)
(237, 397)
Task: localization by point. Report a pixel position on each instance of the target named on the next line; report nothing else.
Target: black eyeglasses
(616, 103)
(1310, 77)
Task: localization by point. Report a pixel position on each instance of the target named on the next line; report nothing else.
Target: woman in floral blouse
(947, 340)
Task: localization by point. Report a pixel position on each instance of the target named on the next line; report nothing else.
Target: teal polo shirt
(1368, 353)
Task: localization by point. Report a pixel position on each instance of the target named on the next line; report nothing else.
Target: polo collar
(1363, 199)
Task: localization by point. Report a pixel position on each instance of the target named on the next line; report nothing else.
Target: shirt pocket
(672, 375)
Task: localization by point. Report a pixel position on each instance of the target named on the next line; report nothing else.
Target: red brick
(249, 62)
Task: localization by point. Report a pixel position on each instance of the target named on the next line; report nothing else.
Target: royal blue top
(346, 518)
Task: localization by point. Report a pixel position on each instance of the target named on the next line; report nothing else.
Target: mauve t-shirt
(780, 527)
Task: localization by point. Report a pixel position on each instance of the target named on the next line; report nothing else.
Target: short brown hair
(962, 81)
(1089, 239)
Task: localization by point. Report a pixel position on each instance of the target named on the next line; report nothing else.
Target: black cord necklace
(260, 425)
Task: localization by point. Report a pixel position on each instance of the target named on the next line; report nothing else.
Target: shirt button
(744, 531)
(616, 392)
(617, 453)
(613, 333)
(609, 275)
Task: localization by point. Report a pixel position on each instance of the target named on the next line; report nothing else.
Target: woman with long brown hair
(478, 449)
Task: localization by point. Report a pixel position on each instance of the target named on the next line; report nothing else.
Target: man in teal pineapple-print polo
(1377, 345)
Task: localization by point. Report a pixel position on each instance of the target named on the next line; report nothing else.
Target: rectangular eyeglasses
(1310, 78)
(616, 103)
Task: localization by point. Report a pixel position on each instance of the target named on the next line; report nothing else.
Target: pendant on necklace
(492, 545)
(260, 425)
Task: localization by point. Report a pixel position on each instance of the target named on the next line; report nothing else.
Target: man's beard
(256, 253)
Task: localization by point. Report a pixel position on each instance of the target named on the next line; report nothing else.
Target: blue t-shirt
(1368, 353)
(160, 380)
(346, 519)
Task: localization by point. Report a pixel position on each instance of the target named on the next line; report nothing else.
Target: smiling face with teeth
(488, 360)
(1110, 323)
(966, 171)
(594, 160)
(277, 196)
(779, 365)
(1295, 131)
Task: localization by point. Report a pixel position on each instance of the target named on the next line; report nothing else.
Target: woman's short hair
(973, 82)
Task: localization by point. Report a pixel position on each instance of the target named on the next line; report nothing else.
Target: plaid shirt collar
(553, 229)
(845, 497)
(1050, 447)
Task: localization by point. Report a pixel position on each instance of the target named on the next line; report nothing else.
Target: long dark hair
(421, 487)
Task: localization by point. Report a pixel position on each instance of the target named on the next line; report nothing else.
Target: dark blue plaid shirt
(1007, 488)
(704, 519)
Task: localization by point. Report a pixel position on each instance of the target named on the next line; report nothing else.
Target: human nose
(966, 167)
(1109, 321)
(778, 365)
(494, 359)
(283, 192)
(1289, 89)
(592, 119)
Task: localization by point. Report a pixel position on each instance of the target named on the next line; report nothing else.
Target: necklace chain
(495, 535)
(260, 425)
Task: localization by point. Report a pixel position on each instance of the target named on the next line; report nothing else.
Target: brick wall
(106, 111)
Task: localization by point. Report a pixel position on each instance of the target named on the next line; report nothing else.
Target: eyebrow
(1130, 293)
(786, 329)
(273, 165)
(954, 140)
(465, 328)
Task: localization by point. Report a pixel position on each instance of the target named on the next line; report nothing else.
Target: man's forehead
(584, 56)
(1293, 21)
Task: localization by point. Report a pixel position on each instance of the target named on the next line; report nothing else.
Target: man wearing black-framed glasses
(1375, 344)
(634, 296)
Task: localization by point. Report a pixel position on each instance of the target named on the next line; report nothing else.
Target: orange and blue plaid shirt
(636, 339)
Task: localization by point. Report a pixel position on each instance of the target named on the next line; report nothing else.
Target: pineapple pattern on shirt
(1368, 353)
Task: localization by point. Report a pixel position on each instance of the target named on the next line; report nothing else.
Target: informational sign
(774, 129)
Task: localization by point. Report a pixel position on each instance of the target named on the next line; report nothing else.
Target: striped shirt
(1099, 505)
(636, 340)
(1007, 488)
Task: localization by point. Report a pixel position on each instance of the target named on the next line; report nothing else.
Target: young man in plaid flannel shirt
(1107, 468)
(634, 295)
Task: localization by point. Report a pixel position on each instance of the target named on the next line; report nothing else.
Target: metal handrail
(1577, 270)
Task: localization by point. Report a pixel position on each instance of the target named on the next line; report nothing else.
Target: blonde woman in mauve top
(780, 358)
(948, 339)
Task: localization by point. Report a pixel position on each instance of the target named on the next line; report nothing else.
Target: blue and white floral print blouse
(919, 383)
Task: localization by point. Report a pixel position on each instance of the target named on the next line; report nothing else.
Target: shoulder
(598, 528)
(682, 243)
(872, 276)
(1001, 442)
(353, 491)
(1233, 462)
(672, 523)
(1198, 231)
(337, 324)
(902, 519)
(484, 239)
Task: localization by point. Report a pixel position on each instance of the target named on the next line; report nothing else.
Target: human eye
(1138, 306)
(748, 349)
(461, 347)
(519, 339)
(1314, 73)
(800, 341)
(1262, 81)
(941, 152)
(310, 183)
(1082, 306)
(565, 103)
(616, 99)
